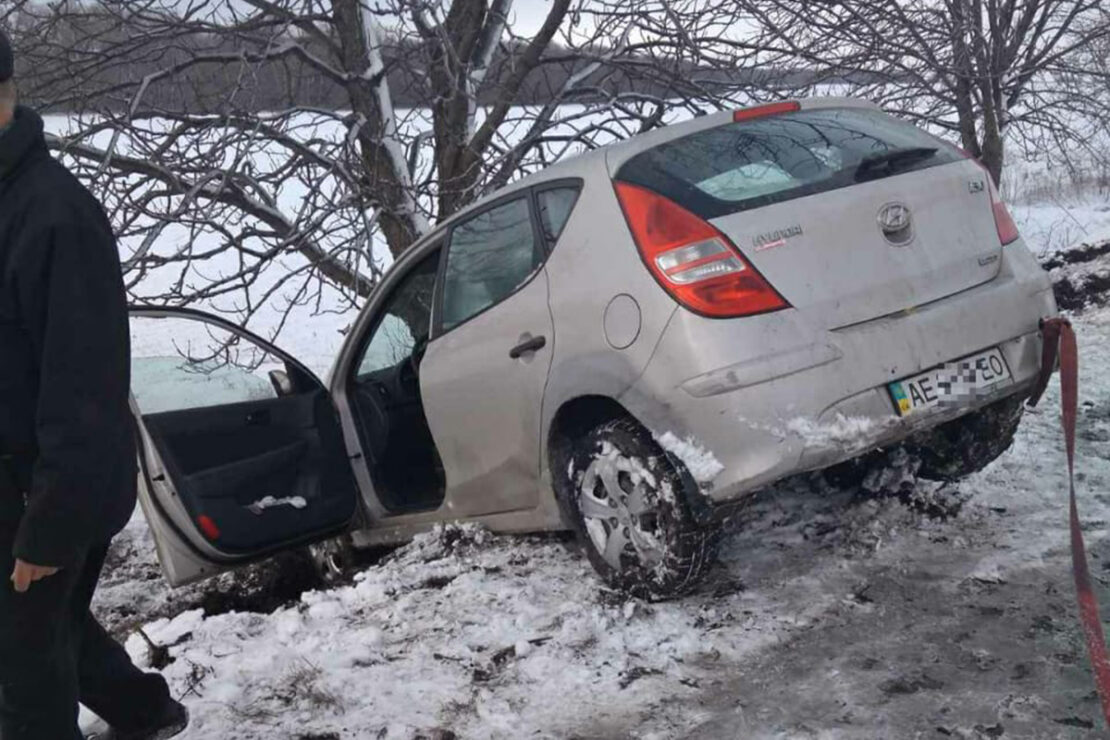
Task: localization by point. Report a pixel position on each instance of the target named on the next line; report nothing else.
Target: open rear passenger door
(241, 453)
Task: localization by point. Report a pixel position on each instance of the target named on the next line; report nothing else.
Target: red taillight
(1003, 221)
(770, 109)
(208, 527)
(695, 263)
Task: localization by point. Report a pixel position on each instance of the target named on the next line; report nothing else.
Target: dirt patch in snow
(1078, 255)
(132, 590)
(262, 588)
(1076, 292)
(1081, 276)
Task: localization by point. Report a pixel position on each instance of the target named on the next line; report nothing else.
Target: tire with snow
(968, 444)
(628, 506)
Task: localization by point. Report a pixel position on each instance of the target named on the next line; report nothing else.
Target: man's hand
(26, 573)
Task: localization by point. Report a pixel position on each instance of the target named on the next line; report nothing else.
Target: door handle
(529, 345)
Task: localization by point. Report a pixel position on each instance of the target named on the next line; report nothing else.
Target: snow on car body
(627, 341)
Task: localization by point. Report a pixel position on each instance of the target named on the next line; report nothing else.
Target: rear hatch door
(849, 213)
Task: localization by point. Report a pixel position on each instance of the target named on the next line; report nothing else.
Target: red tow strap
(1059, 342)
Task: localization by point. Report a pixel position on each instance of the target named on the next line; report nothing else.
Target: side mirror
(281, 382)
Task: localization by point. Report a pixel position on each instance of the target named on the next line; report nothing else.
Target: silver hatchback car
(625, 344)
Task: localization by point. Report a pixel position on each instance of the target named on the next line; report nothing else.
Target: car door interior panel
(258, 472)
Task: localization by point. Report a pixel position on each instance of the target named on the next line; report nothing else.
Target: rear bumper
(769, 396)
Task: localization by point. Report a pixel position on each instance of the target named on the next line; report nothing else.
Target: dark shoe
(174, 720)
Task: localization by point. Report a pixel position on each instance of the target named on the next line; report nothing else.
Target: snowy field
(832, 614)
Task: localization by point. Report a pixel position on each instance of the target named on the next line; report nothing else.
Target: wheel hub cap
(619, 503)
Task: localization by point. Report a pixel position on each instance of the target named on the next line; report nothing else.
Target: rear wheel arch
(575, 418)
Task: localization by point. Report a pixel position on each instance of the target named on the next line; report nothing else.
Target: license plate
(953, 383)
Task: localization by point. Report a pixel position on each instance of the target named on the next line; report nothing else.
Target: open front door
(241, 453)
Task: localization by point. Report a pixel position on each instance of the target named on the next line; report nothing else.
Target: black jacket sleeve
(73, 308)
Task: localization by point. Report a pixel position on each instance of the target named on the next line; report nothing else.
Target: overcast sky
(528, 15)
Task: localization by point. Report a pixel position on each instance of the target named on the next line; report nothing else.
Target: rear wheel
(966, 445)
(628, 505)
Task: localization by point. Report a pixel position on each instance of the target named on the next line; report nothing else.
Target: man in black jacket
(67, 456)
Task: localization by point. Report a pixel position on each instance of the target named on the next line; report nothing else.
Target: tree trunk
(993, 151)
(396, 221)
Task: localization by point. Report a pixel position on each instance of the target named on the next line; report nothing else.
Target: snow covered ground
(1051, 224)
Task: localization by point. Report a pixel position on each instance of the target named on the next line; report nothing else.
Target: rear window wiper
(888, 162)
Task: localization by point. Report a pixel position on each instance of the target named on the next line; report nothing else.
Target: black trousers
(53, 653)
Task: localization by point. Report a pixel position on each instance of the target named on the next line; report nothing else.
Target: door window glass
(489, 257)
(179, 363)
(405, 320)
(555, 207)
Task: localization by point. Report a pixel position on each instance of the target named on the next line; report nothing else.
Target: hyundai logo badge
(896, 223)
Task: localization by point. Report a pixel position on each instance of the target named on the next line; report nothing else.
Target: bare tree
(253, 152)
(984, 70)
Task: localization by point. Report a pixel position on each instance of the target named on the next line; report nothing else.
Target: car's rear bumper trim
(761, 370)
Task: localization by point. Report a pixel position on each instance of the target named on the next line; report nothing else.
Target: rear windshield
(745, 165)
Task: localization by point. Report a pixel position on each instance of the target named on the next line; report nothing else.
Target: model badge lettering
(776, 238)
